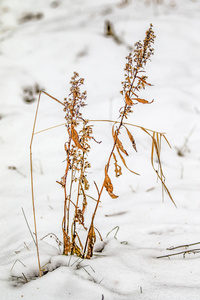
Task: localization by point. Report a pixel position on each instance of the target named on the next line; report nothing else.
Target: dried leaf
(75, 138)
(124, 162)
(108, 185)
(67, 244)
(91, 241)
(84, 202)
(79, 217)
(118, 169)
(131, 139)
(120, 146)
(143, 81)
(161, 177)
(143, 101)
(117, 141)
(128, 100)
(76, 250)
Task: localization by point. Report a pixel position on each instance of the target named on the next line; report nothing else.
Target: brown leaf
(91, 241)
(117, 141)
(131, 139)
(120, 146)
(128, 100)
(108, 185)
(143, 101)
(118, 169)
(67, 244)
(143, 80)
(75, 138)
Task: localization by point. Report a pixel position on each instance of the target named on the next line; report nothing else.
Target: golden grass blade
(166, 140)
(49, 128)
(154, 145)
(32, 188)
(31, 171)
(152, 151)
(124, 162)
(130, 124)
(52, 97)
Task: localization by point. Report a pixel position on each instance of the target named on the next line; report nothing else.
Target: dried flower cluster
(134, 80)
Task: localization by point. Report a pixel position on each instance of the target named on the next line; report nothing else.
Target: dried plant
(77, 149)
(135, 80)
(74, 181)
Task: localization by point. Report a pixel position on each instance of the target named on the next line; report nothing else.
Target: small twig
(16, 262)
(183, 246)
(97, 188)
(25, 277)
(51, 234)
(117, 229)
(182, 252)
(99, 234)
(76, 261)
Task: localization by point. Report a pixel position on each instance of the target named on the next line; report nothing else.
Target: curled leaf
(108, 185)
(75, 138)
(128, 100)
(120, 146)
(117, 141)
(131, 139)
(118, 169)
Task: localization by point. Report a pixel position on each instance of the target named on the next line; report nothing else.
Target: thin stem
(28, 226)
(32, 188)
(183, 246)
(182, 252)
(109, 121)
(31, 170)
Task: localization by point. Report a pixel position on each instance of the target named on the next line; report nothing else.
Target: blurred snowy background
(41, 44)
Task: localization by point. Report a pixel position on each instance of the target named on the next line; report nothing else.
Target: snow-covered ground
(45, 48)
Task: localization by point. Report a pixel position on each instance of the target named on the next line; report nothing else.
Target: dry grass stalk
(31, 172)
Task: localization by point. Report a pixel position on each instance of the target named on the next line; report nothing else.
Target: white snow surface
(67, 37)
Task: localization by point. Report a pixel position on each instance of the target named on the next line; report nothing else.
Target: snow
(69, 36)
